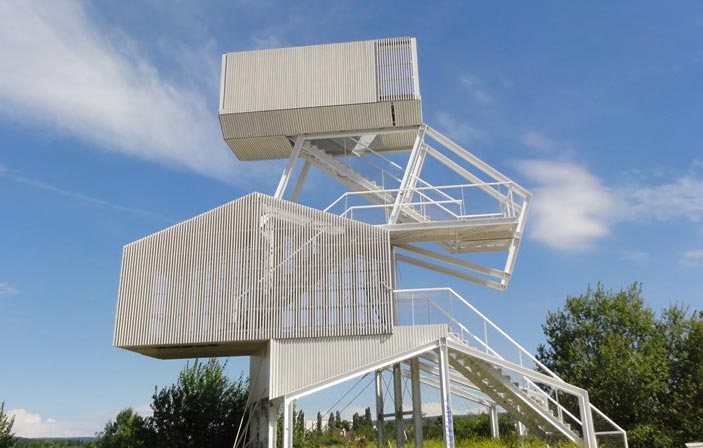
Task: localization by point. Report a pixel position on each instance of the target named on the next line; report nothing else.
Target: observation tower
(311, 292)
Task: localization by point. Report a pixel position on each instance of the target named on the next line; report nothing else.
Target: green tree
(203, 408)
(642, 371)
(129, 430)
(367, 417)
(7, 438)
(319, 423)
(683, 334)
(331, 423)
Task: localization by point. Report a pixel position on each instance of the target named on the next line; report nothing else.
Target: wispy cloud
(7, 174)
(8, 290)
(29, 424)
(268, 41)
(635, 256)
(63, 72)
(459, 131)
(475, 88)
(538, 141)
(572, 208)
(679, 199)
(693, 257)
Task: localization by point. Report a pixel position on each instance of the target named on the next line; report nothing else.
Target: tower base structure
(433, 356)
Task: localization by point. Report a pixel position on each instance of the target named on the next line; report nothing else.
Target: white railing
(432, 203)
(444, 305)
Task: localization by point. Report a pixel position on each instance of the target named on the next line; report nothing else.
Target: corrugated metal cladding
(328, 358)
(318, 89)
(254, 269)
(293, 78)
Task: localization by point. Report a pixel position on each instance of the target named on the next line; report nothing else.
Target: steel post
(380, 428)
(398, 402)
(417, 400)
(447, 420)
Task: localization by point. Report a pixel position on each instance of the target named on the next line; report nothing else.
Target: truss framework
(436, 227)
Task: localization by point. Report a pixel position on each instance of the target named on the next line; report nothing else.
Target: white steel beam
(495, 431)
(458, 262)
(272, 411)
(472, 159)
(377, 131)
(380, 424)
(589, 433)
(417, 400)
(410, 176)
(447, 271)
(300, 181)
(288, 421)
(466, 174)
(447, 419)
(285, 177)
(398, 406)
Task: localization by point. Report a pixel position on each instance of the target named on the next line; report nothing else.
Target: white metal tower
(311, 294)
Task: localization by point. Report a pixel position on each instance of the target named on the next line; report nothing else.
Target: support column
(417, 401)
(447, 420)
(380, 428)
(301, 180)
(272, 423)
(285, 177)
(589, 434)
(410, 176)
(495, 429)
(288, 422)
(521, 430)
(398, 401)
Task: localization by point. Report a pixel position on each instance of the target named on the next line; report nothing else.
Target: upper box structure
(268, 96)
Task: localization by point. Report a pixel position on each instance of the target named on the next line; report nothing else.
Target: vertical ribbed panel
(254, 269)
(292, 78)
(328, 358)
(395, 69)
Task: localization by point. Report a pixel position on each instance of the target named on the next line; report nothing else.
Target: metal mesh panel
(395, 69)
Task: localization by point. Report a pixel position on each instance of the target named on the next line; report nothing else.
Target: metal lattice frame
(417, 212)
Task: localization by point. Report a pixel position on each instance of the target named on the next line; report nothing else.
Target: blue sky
(108, 132)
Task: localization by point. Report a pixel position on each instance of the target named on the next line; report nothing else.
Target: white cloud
(680, 199)
(476, 90)
(79, 196)
(266, 42)
(538, 141)
(636, 256)
(461, 132)
(694, 254)
(8, 290)
(693, 257)
(28, 424)
(572, 208)
(59, 70)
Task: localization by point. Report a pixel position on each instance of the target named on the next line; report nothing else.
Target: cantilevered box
(268, 96)
(255, 269)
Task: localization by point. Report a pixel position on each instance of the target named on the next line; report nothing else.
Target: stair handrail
(491, 351)
(537, 362)
(419, 190)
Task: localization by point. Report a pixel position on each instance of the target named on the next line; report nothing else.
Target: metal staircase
(519, 384)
